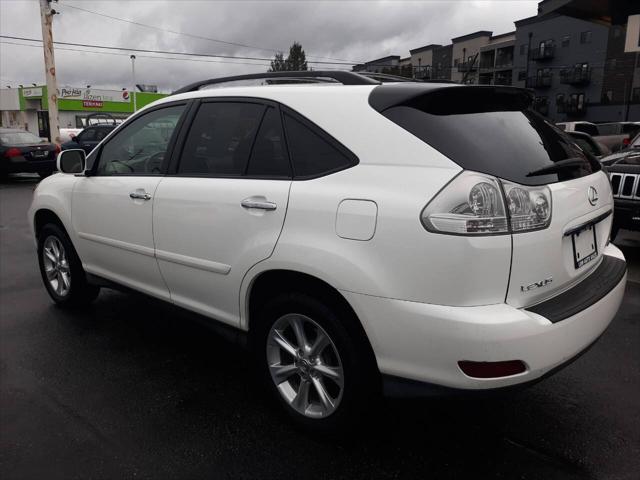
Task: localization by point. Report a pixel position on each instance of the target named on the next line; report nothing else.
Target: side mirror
(72, 161)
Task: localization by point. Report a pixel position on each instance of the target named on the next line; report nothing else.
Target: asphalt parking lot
(133, 388)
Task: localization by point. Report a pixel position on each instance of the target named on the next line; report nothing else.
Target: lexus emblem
(592, 196)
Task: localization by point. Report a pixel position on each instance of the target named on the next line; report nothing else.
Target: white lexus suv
(360, 235)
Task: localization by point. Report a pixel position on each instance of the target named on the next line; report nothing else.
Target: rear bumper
(424, 343)
(22, 165)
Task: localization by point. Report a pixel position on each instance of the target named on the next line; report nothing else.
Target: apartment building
(563, 60)
(496, 60)
(571, 55)
(388, 64)
(466, 56)
(421, 60)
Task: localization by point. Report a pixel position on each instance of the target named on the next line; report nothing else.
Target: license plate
(585, 246)
(40, 154)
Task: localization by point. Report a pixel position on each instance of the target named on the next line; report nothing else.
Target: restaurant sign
(92, 104)
(93, 95)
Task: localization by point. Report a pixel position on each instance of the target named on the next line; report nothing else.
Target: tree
(297, 60)
(278, 64)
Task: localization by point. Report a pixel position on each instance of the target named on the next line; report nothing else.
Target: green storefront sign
(88, 100)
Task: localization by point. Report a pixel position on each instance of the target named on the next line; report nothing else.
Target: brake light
(479, 204)
(626, 141)
(12, 152)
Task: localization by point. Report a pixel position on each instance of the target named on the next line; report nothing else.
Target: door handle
(258, 202)
(140, 195)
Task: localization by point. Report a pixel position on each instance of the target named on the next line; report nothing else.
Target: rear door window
(269, 156)
(220, 139)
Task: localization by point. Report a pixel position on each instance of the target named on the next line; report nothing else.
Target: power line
(162, 52)
(140, 56)
(199, 37)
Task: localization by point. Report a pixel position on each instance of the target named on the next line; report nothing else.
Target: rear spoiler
(449, 99)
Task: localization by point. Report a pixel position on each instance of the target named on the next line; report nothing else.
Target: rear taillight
(626, 141)
(478, 204)
(529, 207)
(12, 152)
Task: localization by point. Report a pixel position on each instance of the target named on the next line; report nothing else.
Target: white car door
(112, 207)
(223, 209)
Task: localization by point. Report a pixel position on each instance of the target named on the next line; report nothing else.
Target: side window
(311, 152)
(101, 133)
(220, 139)
(87, 135)
(268, 156)
(140, 147)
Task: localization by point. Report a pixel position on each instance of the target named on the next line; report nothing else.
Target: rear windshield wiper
(558, 166)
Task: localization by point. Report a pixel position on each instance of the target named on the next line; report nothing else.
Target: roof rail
(315, 76)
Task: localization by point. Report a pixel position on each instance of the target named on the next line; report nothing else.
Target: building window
(566, 40)
(522, 76)
(523, 49)
(560, 103)
(455, 62)
(585, 37)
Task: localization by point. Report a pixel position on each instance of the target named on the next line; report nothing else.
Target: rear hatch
(492, 130)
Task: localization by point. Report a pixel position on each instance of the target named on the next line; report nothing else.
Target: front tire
(311, 364)
(61, 269)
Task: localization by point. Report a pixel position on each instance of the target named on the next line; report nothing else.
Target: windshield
(19, 138)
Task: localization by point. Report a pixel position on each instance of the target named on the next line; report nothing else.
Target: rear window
(590, 129)
(19, 138)
(493, 131)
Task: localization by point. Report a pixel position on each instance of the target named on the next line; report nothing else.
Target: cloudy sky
(351, 31)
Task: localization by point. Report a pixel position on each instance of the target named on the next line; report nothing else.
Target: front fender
(54, 193)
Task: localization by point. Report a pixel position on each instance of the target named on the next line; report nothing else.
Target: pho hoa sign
(93, 95)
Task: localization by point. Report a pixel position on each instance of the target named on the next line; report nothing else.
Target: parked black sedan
(89, 138)
(22, 151)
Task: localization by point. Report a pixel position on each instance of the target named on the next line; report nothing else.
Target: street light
(133, 76)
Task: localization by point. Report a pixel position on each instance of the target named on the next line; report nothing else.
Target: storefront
(28, 107)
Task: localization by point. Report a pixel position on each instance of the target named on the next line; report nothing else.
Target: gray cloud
(353, 30)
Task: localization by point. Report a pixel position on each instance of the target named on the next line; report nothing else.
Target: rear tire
(61, 269)
(312, 366)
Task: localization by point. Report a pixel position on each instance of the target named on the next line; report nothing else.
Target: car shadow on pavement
(159, 390)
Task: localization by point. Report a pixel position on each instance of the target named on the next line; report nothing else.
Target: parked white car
(360, 236)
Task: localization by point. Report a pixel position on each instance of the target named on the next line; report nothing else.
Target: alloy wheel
(305, 366)
(56, 266)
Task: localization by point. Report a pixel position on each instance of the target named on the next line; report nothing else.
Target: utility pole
(46, 17)
(133, 75)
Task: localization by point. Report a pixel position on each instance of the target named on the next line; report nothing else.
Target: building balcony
(575, 110)
(541, 54)
(504, 64)
(575, 76)
(467, 67)
(543, 81)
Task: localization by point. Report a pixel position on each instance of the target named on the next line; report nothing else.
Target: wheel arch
(268, 283)
(44, 216)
